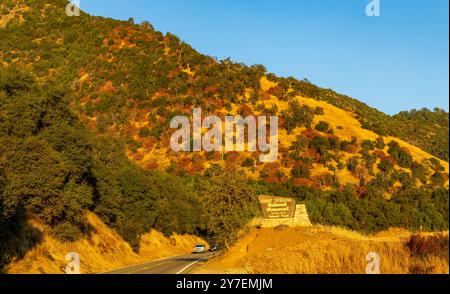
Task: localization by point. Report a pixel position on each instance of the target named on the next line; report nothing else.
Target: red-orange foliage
(422, 246)
(303, 182)
(245, 110)
(310, 134)
(275, 91)
(151, 165)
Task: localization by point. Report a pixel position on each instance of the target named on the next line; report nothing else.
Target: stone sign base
(301, 219)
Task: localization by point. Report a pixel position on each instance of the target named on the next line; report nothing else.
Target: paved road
(184, 264)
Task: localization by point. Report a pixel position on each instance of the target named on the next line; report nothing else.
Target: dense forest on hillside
(54, 168)
(72, 90)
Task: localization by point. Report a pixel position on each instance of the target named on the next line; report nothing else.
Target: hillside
(85, 110)
(98, 56)
(332, 250)
(101, 251)
(129, 80)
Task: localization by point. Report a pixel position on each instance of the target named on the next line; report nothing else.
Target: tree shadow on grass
(17, 237)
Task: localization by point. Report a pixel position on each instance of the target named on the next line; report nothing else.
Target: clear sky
(397, 61)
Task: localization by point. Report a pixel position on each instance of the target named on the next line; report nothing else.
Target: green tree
(229, 204)
(35, 177)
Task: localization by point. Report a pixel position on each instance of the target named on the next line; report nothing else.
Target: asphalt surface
(184, 264)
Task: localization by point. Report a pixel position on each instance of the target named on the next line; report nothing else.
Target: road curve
(184, 264)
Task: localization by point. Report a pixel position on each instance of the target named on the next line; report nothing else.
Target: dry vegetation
(7, 15)
(331, 250)
(103, 250)
(345, 125)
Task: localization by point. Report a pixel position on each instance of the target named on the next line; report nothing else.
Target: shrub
(213, 171)
(145, 132)
(248, 162)
(300, 144)
(419, 172)
(352, 164)
(367, 145)
(319, 111)
(403, 158)
(301, 172)
(320, 144)
(161, 101)
(436, 165)
(438, 179)
(350, 146)
(323, 126)
(379, 143)
(423, 246)
(210, 155)
(386, 165)
(297, 116)
(67, 232)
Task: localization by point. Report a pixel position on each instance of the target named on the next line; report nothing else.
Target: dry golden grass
(351, 127)
(155, 245)
(345, 126)
(15, 12)
(102, 251)
(266, 85)
(322, 250)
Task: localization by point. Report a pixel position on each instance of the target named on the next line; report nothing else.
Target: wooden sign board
(277, 207)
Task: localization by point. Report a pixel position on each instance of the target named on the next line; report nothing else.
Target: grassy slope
(348, 124)
(103, 250)
(321, 250)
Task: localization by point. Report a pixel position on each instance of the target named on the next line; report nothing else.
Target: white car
(200, 248)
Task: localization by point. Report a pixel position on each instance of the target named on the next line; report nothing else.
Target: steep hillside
(99, 56)
(331, 250)
(102, 250)
(130, 80)
(85, 110)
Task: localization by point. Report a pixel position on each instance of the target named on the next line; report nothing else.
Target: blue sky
(394, 62)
